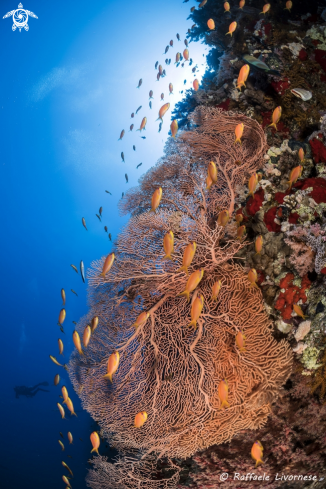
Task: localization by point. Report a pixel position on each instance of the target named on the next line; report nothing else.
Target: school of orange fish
(168, 247)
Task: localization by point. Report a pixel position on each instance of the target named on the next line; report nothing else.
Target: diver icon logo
(20, 18)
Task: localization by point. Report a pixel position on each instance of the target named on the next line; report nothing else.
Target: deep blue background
(68, 87)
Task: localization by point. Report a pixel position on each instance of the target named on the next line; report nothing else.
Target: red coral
(323, 271)
(293, 218)
(269, 220)
(303, 55)
(291, 295)
(261, 276)
(240, 211)
(319, 188)
(267, 120)
(281, 86)
(279, 196)
(318, 150)
(224, 105)
(255, 203)
(320, 57)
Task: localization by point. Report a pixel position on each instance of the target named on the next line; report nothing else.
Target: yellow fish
(196, 310)
(77, 343)
(170, 88)
(107, 264)
(240, 232)
(70, 438)
(66, 480)
(62, 411)
(177, 58)
(240, 340)
(174, 128)
(212, 171)
(66, 467)
(259, 244)
(143, 124)
(168, 245)
(223, 392)
(160, 70)
(276, 116)
(64, 394)
(195, 84)
(297, 309)
(54, 360)
(70, 406)
(163, 111)
(232, 28)
(141, 320)
(243, 75)
(223, 218)
(151, 94)
(192, 282)
(288, 5)
(113, 364)
(156, 199)
(209, 182)
(140, 419)
(62, 445)
(188, 257)
(62, 316)
(239, 219)
(56, 379)
(75, 268)
(216, 290)
(95, 440)
(63, 295)
(60, 344)
(257, 452)
(121, 134)
(266, 8)
(301, 155)
(162, 96)
(94, 323)
(294, 175)
(252, 277)
(226, 7)
(87, 335)
(202, 4)
(242, 3)
(252, 184)
(211, 24)
(238, 133)
(186, 54)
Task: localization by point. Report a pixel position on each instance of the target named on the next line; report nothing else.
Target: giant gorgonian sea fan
(168, 369)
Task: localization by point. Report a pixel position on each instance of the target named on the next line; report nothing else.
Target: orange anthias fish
(257, 452)
(240, 340)
(171, 42)
(216, 290)
(66, 480)
(294, 175)
(196, 310)
(192, 282)
(121, 134)
(168, 245)
(212, 171)
(94, 323)
(140, 419)
(188, 257)
(170, 88)
(162, 96)
(195, 84)
(288, 5)
(70, 406)
(84, 223)
(226, 7)
(143, 124)
(239, 219)
(113, 364)
(223, 392)
(259, 244)
(243, 76)
(252, 184)
(238, 133)
(63, 296)
(56, 379)
(211, 24)
(186, 54)
(60, 344)
(62, 411)
(62, 445)
(151, 94)
(77, 343)
(62, 317)
(131, 127)
(242, 3)
(87, 335)
(160, 70)
(174, 128)
(232, 28)
(107, 264)
(54, 360)
(64, 393)
(177, 58)
(276, 116)
(141, 320)
(209, 182)
(163, 111)
(70, 438)
(223, 218)
(266, 8)
(66, 467)
(202, 4)
(95, 440)
(156, 199)
(240, 232)
(301, 158)
(253, 277)
(297, 309)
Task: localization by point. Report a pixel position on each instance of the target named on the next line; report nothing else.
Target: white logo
(20, 18)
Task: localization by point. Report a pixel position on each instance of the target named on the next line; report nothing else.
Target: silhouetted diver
(22, 390)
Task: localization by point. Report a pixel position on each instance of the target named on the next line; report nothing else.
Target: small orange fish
(56, 379)
(209, 182)
(186, 54)
(240, 340)
(211, 24)
(151, 94)
(66, 467)
(239, 219)
(243, 75)
(62, 411)
(195, 84)
(212, 171)
(253, 277)
(177, 58)
(168, 245)
(188, 257)
(192, 9)
(163, 111)
(174, 128)
(62, 445)
(62, 317)
(240, 232)
(276, 116)
(121, 134)
(294, 175)
(301, 157)
(70, 438)
(192, 282)
(141, 320)
(171, 42)
(216, 290)
(257, 452)
(143, 124)
(196, 309)
(140, 419)
(266, 8)
(63, 296)
(70, 406)
(259, 244)
(84, 223)
(64, 393)
(95, 440)
(54, 360)
(252, 184)
(238, 133)
(162, 96)
(107, 264)
(77, 343)
(223, 392)
(66, 481)
(87, 335)
(242, 3)
(156, 199)
(113, 364)
(170, 88)
(232, 28)
(202, 4)
(223, 218)
(160, 70)
(60, 344)
(288, 5)
(94, 323)
(297, 309)
(226, 7)
(131, 127)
